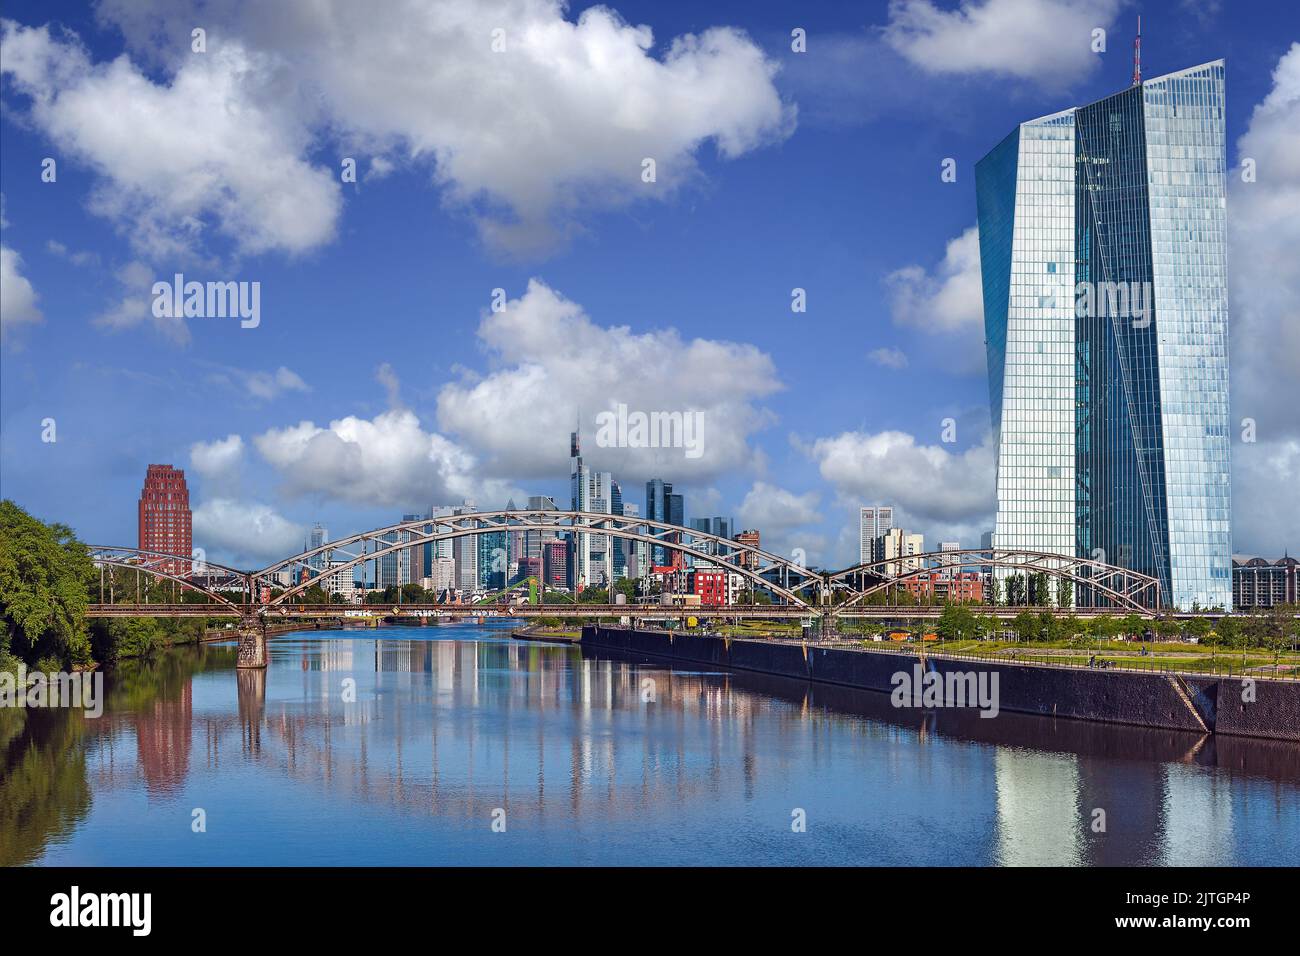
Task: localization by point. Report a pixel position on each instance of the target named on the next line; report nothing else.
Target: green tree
(45, 580)
(957, 622)
(1064, 593)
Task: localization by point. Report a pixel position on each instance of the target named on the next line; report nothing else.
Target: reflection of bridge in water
(454, 729)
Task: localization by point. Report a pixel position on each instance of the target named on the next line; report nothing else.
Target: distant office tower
(897, 543)
(946, 565)
(662, 505)
(164, 519)
(464, 551)
(493, 560)
(872, 524)
(318, 537)
(637, 552)
(1106, 321)
(721, 527)
(589, 491)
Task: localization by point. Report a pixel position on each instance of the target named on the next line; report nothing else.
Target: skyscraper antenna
(1137, 54)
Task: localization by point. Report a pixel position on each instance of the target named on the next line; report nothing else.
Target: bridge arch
(626, 528)
(158, 564)
(1126, 588)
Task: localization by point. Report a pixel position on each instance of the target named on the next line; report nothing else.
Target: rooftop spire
(1137, 54)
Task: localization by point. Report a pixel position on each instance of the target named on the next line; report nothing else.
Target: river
(460, 745)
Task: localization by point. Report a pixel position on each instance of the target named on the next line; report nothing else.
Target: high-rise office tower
(872, 524)
(318, 537)
(1106, 322)
(589, 491)
(164, 518)
(662, 505)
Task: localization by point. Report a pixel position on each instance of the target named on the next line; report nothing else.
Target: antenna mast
(1137, 55)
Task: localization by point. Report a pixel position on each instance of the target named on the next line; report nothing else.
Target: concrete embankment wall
(1169, 701)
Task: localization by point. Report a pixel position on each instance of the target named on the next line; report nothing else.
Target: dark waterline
(451, 725)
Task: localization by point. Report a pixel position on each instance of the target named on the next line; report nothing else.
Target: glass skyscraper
(1106, 323)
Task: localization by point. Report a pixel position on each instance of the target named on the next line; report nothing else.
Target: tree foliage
(45, 578)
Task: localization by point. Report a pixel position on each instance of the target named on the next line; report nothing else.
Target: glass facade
(1105, 309)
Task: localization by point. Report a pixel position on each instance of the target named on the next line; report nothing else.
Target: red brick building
(959, 587)
(165, 522)
(747, 559)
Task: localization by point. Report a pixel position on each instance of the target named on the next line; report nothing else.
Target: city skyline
(483, 413)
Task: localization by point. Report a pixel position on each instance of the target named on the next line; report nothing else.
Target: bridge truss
(795, 590)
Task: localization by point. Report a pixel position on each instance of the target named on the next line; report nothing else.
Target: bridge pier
(252, 644)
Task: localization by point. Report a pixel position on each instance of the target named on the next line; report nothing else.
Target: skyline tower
(1101, 235)
(164, 520)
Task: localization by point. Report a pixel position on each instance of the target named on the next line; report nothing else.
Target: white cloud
(768, 507)
(930, 483)
(213, 147)
(17, 296)
(950, 299)
(85, 258)
(1041, 40)
(888, 358)
(524, 140)
(244, 531)
(218, 461)
(1264, 262)
(554, 362)
(135, 305)
(1264, 290)
(388, 461)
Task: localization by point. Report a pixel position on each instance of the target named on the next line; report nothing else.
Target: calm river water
(461, 745)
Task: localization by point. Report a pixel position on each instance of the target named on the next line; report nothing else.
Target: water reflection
(356, 749)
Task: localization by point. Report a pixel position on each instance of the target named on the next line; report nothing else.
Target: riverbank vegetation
(47, 581)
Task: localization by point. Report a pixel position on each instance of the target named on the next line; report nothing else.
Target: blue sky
(378, 381)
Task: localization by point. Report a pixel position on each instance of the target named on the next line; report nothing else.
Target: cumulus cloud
(213, 147)
(17, 296)
(933, 485)
(244, 532)
(1264, 289)
(523, 130)
(947, 300)
(1026, 39)
(1263, 239)
(387, 461)
(770, 507)
(218, 461)
(553, 362)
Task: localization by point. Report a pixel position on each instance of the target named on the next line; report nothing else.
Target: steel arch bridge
(798, 588)
(1121, 588)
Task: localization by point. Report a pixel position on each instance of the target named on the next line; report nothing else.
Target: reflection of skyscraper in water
(1198, 817)
(163, 739)
(1038, 818)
